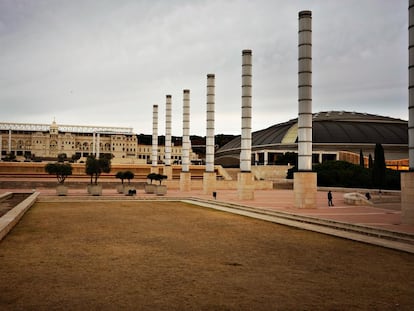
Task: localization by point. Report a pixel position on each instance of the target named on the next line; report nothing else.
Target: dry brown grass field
(174, 256)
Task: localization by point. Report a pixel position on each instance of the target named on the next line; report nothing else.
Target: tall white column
(168, 130)
(245, 179)
(98, 145)
(186, 132)
(305, 92)
(10, 136)
(210, 123)
(305, 181)
(265, 157)
(154, 157)
(411, 85)
(407, 178)
(94, 144)
(246, 125)
(167, 169)
(185, 175)
(209, 176)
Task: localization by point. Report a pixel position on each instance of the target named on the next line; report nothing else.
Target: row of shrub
(348, 175)
(94, 167)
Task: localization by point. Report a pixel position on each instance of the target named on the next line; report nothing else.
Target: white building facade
(42, 141)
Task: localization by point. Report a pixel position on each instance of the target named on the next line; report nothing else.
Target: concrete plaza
(385, 214)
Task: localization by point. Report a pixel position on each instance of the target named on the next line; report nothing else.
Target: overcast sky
(107, 62)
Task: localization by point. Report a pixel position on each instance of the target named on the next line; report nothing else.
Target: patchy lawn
(175, 256)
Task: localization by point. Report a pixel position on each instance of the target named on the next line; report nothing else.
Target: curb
(12, 217)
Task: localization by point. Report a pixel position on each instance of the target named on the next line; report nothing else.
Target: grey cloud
(107, 62)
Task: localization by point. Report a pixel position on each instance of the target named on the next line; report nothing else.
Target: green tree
(378, 170)
(95, 167)
(129, 175)
(160, 177)
(11, 157)
(61, 170)
(370, 161)
(62, 157)
(120, 175)
(151, 177)
(361, 159)
(342, 174)
(75, 157)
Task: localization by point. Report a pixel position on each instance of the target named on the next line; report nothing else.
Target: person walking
(330, 203)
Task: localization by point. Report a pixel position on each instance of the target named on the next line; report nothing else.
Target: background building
(337, 135)
(46, 142)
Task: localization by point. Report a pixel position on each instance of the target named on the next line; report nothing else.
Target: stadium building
(336, 135)
(44, 141)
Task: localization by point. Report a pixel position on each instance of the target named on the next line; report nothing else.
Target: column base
(245, 186)
(209, 182)
(185, 181)
(167, 171)
(155, 169)
(407, 198)
(304, 189)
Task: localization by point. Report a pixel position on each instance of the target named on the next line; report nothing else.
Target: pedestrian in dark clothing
(330, 203)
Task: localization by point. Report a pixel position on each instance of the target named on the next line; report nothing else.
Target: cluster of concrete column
(304, 179)
(407, 178)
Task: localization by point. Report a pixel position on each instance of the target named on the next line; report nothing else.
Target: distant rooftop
(336, 127)
(34, 127)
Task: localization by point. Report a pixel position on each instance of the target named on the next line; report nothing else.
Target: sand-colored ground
(173, 256)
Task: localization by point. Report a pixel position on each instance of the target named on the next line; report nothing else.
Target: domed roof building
(337, 135)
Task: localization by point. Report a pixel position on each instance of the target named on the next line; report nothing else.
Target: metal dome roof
(336, 127)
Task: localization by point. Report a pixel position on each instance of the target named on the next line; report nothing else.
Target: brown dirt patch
(175, 256)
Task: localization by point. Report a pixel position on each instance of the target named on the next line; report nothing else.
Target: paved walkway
(381, 215)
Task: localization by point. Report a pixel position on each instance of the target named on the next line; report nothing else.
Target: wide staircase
(232, 172)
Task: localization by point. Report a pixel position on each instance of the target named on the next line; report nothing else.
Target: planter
(95, 190)
(120, 188)
(61, 190)
(150, 188)
(127, 189)
(161, 190)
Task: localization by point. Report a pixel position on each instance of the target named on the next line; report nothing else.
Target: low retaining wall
(196, 184)
(12, 217)
(5, 196)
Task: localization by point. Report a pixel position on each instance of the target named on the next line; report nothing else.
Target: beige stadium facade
(28, 141)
